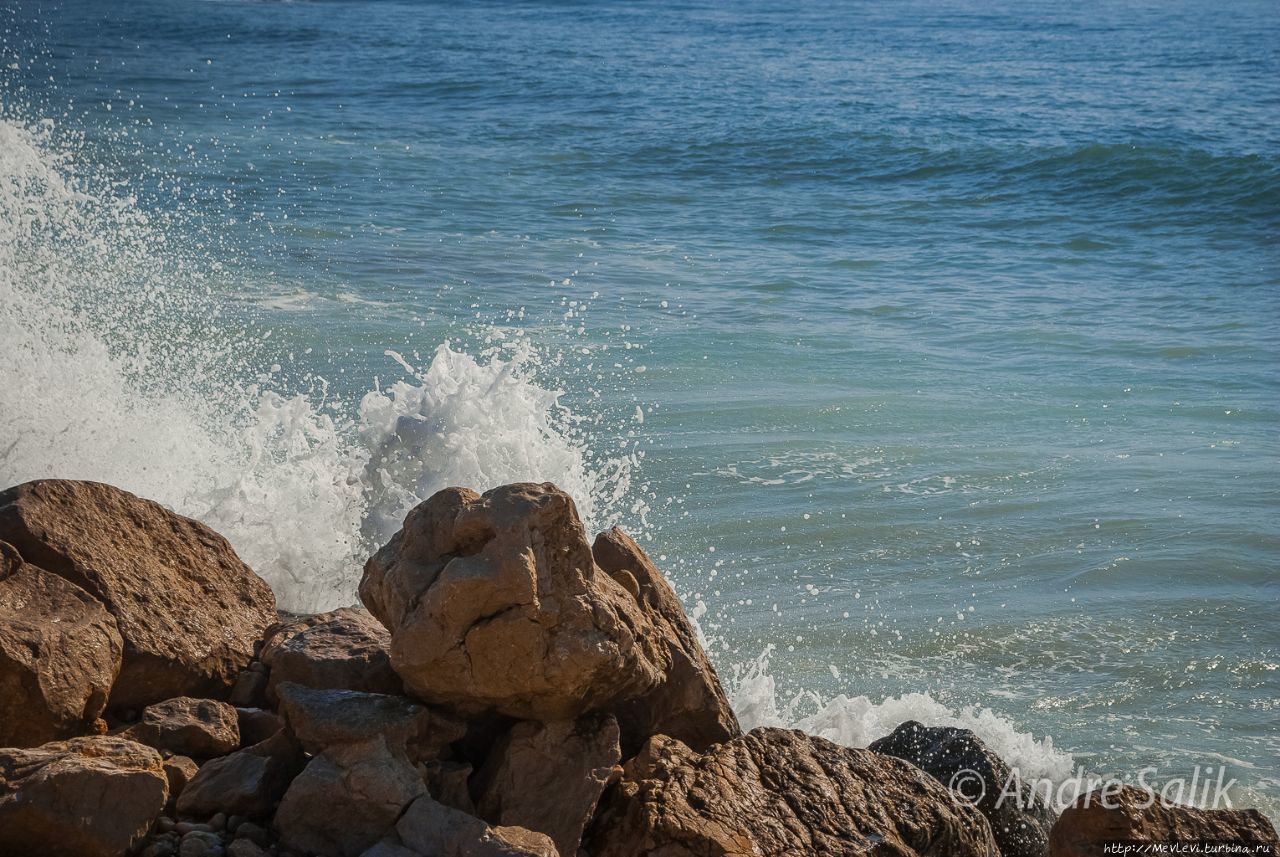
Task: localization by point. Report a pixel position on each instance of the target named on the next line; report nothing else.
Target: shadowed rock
(59, 654)
(345, 649)
(549, 777)
(429, 827)
(347, 799)
(689, 704)
(1133, 815)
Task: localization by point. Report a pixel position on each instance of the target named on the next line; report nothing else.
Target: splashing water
(117, 370)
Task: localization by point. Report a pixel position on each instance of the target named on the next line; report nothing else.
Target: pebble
(234, 822)
(244, 848)
(200, 843)
(185, 827)
(218, 822)
(253, 832)
(164, 824)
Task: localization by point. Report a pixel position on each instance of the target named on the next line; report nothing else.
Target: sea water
(932, 349)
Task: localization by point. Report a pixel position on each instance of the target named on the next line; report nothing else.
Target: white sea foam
(116, 369)
(857, 721)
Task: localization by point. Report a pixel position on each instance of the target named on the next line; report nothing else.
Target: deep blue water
(959, 318)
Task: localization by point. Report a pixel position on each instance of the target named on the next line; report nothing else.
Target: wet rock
(347, 799)
(191, 727)
(689, 705)
(247, 782)
(956, 758)
(84, 797)
(776, 791)
(1135, 816)
(549, 777)
(495, 604)
(188, 610)
(327, 718)
(345, 650)
(430, 827)
(59, 654)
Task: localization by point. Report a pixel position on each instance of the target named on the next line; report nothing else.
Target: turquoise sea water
(934, 345)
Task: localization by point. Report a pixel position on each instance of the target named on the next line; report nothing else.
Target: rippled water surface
(935, 345)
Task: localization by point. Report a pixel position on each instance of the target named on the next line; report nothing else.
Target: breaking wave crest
(124, 364)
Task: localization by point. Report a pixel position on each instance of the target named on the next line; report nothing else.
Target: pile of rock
(511, 689)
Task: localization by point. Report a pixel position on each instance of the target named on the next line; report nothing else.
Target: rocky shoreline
(507, 688)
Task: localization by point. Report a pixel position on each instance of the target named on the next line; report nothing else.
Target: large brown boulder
(85, 797)
(776, 791)
(59, 654)
(430, 827)
(495, 604)
(1019, 818)
(689, 705)
(190, 727)
(345, 649)
(188, 609)
(347, 799)
(549, 777)
(1135, 816)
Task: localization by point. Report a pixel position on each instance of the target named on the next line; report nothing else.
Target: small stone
(254, 833)
(234, 822)
(160, 848)
(200, 843)
(164, 824)
(185, 827)
(244, 848)
(218, 822)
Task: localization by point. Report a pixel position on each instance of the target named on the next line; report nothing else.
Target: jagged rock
(345, 649)
(448, 782)
(1132, 815)
(549, 777)
(248, 782)
(347, 799)
(430, 827)
(191, 727)
(776, 791)
(179, 770)
(328, 718)
(189, 611)
(689, 705)
(84, 797)
(59, 654)
(495, 604)
(257, 725)
(957, 759)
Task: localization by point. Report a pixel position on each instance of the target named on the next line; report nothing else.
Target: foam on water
(118, 369)
(857, 721)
